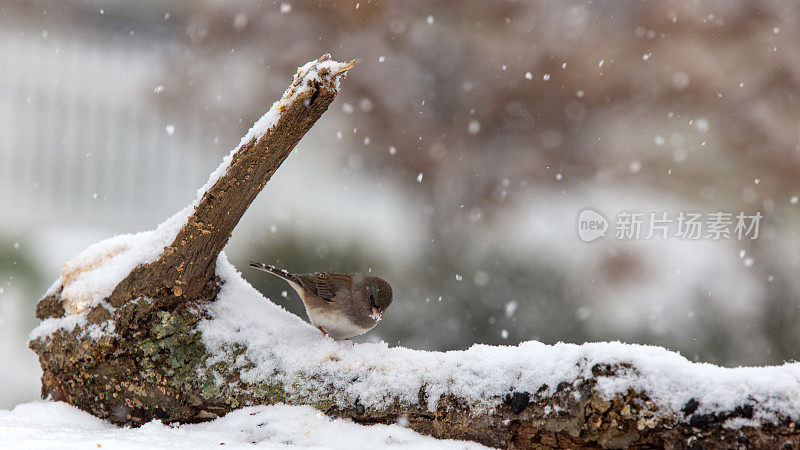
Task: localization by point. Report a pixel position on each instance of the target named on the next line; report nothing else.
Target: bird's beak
(377, 314)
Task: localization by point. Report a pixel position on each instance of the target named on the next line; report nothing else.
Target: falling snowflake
(474, 126)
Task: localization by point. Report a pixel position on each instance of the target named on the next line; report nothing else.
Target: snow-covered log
(159, 325)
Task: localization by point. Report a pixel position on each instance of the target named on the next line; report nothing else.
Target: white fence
(82, 138)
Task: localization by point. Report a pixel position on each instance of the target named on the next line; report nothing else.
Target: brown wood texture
(155, 366)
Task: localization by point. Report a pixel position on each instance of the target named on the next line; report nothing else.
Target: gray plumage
(341, 305)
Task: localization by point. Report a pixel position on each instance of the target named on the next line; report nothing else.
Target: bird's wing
(326, 285)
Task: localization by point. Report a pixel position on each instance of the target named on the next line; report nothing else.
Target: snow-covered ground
(56, 425)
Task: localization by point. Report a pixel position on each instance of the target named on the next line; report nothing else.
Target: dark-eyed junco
(341, 305)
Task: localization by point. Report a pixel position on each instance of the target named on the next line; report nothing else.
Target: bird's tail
(273, 270)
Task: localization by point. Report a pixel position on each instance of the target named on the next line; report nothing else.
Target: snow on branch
(179, 255)
(159, 325)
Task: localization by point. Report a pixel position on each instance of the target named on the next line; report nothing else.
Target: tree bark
(187, 265)
(155, 365)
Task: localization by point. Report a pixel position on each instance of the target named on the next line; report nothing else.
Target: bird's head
(378, 293)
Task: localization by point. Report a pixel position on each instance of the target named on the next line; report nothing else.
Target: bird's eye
(371, 298)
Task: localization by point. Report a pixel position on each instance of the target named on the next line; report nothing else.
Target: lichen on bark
(139, 354)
